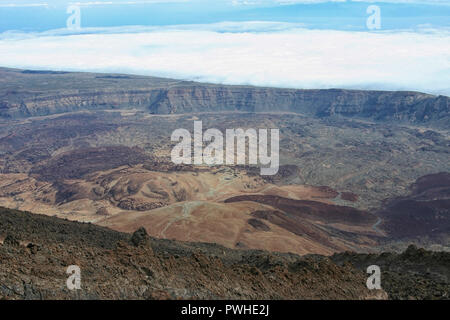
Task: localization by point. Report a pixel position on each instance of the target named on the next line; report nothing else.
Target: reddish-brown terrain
(361, 172)
(96, 148)
(36, 250)
(425, 212)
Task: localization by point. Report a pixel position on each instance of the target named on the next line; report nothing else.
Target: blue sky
(288, 43)
(41, 15)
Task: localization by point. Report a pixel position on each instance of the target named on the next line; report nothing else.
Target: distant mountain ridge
(27, 93)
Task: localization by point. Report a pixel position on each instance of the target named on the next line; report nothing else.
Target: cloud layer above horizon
(280, 55)
(33, 3)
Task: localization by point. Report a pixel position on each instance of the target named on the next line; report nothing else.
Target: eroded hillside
(23, 94)
(35, 252)
(96, 148)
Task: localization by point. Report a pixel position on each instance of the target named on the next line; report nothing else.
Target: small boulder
(140, 237)
(34, 248)
(102, 212)
(11, 241)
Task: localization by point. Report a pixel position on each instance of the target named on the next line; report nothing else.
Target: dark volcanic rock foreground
(37, 250)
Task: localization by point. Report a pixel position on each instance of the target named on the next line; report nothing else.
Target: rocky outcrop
(140, 238)
(160, 96)
(123, 266)
(414, 274)
(376, 105)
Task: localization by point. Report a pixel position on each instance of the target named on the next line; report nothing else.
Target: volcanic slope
(36, 250)
(96, 148)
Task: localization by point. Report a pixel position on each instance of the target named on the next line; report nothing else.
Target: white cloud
(125, 2)
(287, 56)
(30, 3)
(287, 2)
(14, 5)
(86, 2)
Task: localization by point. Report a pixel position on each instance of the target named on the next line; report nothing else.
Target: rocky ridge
(37, 250)
(68, 92)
